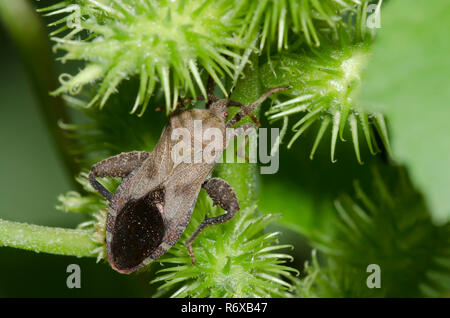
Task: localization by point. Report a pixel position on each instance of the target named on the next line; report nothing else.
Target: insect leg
(247, 110)
(181, 104)
(120, 165)
(222, 195)
(210, 92)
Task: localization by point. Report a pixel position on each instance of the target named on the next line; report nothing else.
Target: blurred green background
(33, 176)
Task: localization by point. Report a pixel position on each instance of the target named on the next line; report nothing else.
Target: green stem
(45, 239)
(28, 34)
(243, 176)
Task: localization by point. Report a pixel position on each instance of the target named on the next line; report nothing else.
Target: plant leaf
(408, 78)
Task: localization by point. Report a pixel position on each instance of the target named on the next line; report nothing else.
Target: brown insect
(152, 206)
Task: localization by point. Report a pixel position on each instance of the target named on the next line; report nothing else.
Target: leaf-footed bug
(152, 206)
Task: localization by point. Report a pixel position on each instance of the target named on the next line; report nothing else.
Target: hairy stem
(242, 176)
(45, 239)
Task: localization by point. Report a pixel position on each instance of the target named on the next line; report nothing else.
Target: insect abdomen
(137, 231)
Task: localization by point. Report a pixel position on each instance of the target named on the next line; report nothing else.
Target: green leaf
(408, 78)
